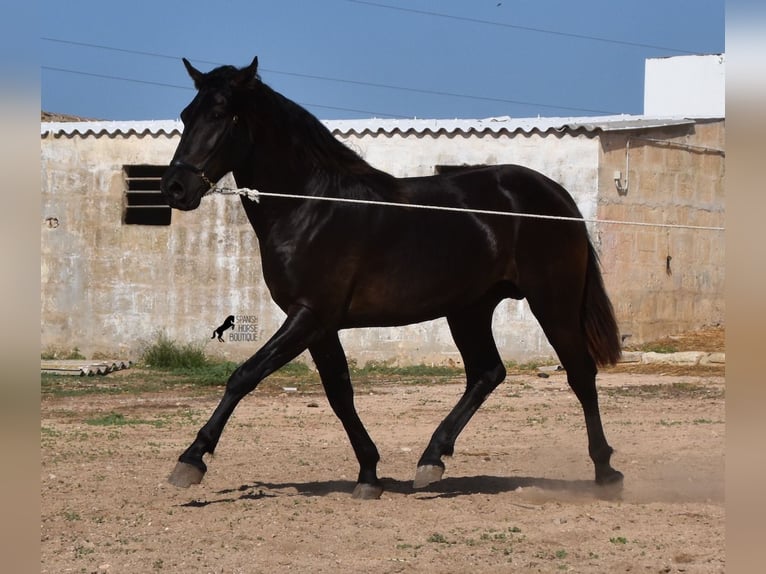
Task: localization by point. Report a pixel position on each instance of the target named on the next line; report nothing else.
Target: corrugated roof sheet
(111, 129)
(376, 126)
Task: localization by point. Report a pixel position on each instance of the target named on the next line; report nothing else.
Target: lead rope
(255, 195)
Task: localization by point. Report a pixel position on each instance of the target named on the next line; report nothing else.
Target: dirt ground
(517, 495)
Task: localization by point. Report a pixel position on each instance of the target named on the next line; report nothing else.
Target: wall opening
(144, 203)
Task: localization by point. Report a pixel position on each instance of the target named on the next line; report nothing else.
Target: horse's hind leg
(559, 317)
(333, 369)
(472, 331)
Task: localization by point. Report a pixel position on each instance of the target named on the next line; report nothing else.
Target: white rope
(254, 195)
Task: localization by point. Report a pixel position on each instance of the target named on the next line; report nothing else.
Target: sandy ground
(517, 496)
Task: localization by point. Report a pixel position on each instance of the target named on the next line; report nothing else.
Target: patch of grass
(514, 367)
(659, 347)
(70, 515)
(618, 540)
(295, 369)
(109, 420)
(673, 390)
(165, 353)
(376, 368)
(437, 538)
(118, 420)
(83, 551)
(210, 374)
(51, 353)
(665, 423)
(186, 360)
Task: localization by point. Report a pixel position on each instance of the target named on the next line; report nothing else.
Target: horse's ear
(194, 73)
(246, 74)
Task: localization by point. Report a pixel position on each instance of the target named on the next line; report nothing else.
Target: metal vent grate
(144, 203)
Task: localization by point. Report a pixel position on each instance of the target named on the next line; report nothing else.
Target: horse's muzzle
(179, 194)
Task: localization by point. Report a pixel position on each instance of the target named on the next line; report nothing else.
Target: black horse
(333, 266)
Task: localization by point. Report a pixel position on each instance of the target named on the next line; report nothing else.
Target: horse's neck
(297, 154)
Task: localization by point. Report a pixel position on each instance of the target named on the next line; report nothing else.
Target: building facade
(118, 267)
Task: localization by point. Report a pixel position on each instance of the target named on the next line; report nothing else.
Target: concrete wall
(667, 183)
(109, 288)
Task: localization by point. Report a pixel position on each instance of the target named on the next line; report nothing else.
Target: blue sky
(358, 59)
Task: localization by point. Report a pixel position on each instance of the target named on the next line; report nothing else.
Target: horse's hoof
(367, 491)
(184, 475)
(427, 474)
(611, 478)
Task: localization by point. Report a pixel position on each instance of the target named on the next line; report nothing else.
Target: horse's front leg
(299, 330)
(331, 362)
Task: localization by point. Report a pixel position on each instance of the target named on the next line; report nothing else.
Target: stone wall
(676, 176)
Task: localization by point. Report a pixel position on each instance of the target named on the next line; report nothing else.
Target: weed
(295, 369)
(211, 374)
(166, 353)
(82, 551)
(112, 419)
(51, 353)
(437, 538)
(671, 391)
(618, 540)
(48, 354)
(70, 515)
(665, 423)
(118, 420)
(659, 347)
(376, 368)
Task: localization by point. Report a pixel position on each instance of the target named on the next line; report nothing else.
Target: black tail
(601, 331)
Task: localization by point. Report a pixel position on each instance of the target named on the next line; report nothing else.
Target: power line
(166, 85)
(124, 50)
(518, 27)
(347, 81)
(121, 78)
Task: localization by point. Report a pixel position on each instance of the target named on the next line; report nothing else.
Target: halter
(195, 170)
(200, 171)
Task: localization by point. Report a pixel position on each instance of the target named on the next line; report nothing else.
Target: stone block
(631, 357)
(714, 359)
(682, 358)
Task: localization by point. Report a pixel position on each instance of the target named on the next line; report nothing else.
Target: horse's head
(215, 137)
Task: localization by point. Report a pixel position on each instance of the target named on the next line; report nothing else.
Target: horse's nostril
(172, 189)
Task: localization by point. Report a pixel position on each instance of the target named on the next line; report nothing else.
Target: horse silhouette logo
(227, 324)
